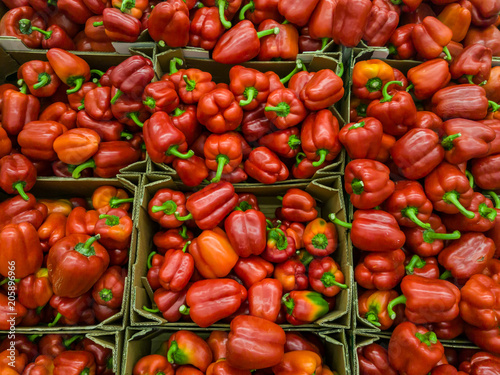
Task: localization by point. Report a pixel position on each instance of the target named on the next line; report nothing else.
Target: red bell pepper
(368, 132)
(52, 230)
(108, 290)
(349, 21)
(382, 22)
(414, 350)
(172, 239)
(97, 103)
(428, 78)
(427, 300)
(297, 12)
(17, 175)
(114, 229)
(372, 306)
(71, 311)
(320, 238)
(484, 172)
(368, 183)
(35, 291)
(246, 231)
(265, 166)
(205, 28)
(284, 109)
(396, 112)
(223, 153)
(285, 143)
(299, 362)
(219, 111)
(249, 333)
(323, 90)
(83, 252)
(29, 139)
(450, 102)
(10, 314)
(194, 85)
(184, 119)
(176, 269)
(369, 78)
(74, 362)
(475, 251)
(264, 299)
(131, 77)
(18, 109)
(203, 300)
(279, 247)
(303, 168)
(19, 22)
(373, 230)
(283, 45)
(401, 43)
(302, 341)
(250, 87)
(191, 171)
(320, 137)
(485, 339)
(303, 306)
(241, 43)
(255, 124)
(253, 269)
(480, 304)
(484, 13)
(71, 69)
(169, 303)
(298, 205)
(41, 79)
(447, 330)
(380, 270)
(427, 267)
(164, 204)
(16, 210)
(483, 220)
(326, 277)
(292, 275)
(186, 347)
(153, 364)
(431, 37)
(107, 130)
(374, 359)
(76, 145)
(472, 65)
(107, 197)
(119, 26)
(81, 221)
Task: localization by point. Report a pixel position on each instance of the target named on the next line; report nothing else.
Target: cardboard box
(142, 342)
(328, 193)
(220, 73)
(54, 188)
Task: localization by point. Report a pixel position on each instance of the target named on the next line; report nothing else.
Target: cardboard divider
(220, 73)
(360, 339)
(139, 343)
(55, 188)
(327, 192)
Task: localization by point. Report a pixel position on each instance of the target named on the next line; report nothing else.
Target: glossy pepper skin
(458, 18)
(265, 166)
(283, 45)
(373, 230)
(284, 109)
(19, 310)
(81, 251)
(368, 183)
(223, 153)
(76, 145)
(372, 306)
(35, 290)
(427, 300)
(18, 22)
(246, 231)
(191, 171)
(205, 28)
(264, 298)
(431, 37)
(21, 245)
(349, 21)
(369, 78)
(114, 229)
(479, 305)
(169, 303)
(218, 111)
(184, 119)
(320, 137)
(213, 254)
(301, 362)
(119, 26)
(107, 130)
(249, 86)
(108, 290)
(30, 139)
(484, 172)
(414, 350)
(81, 221)
(17, 175)
(176, 269)
(254, 343)
(194, 84)
(74, 362)
(18, 109)
(427, 267)
(298, 205)
(164, 204)
(396, 112)
(71, 70)
(369, 132)
(450, 102)
(382, 22)
(169, 22)
(297, 12)
(373, 359)
(426, 153)
(131, 77)
(472, 65)
(429, 77)
(380, 270)
(40, 78)
(323, 90)
(285, 143)
(97, 103)
(320, 238)
(241, 43)
(16, 210)
(52, 230)
(326, 277)
(107, 197)
(203, 299)
(253, 269)
(303, 306)
(186, 347)
(292, 275)
(483, 220)
(153, 364)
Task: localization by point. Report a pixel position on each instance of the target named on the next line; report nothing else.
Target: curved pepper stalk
(396, 301)
(372, 317)
(429, 236)
(168, 208)
(415, 262)
(78, 170)
(451, 197)
(333, 218)
(385, 95)
(328, 280)
(222, 160)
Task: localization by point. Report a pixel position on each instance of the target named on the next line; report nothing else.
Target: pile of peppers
(70, 257)
(424, 184)
(49, 354)
(225, 353)
(252, 128)
(278, 270)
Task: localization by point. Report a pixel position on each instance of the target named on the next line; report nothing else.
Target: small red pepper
(265, 166)
(115, 229)
(431, 37)
(326, 277)
(380, 270)
(264, 298)
(109, 289)
(283, 45)
(223, 153)
(284, 109)
(253, 269)
(350, 18)
(219, 111)
(368, 132)
(292, 275)
(246, 231)
(164, 204)
(372, 306)
(41, 79)
(205, 28)
(18, 109)
(176, 269)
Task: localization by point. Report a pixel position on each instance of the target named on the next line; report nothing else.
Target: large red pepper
(97, 103)
(484, 13)
(382, 22)
(35, 291)
(396, 112)
(368, 183)
(265, 166)
(75, 263)
(373, 230)
(298, 205)
(323, 90)
(17, 175)
(292, 275)
(169, 303)
(119, 26)
(205, 28)
(480, 303)
(250, 87)
(372, 306)
(369, 132)
(109, 289)
(115, 229)
(18, 109)
(369, 78)
(223, 153)
(326, 277)
(414, 350)
(184, 118)
(303, 306)
(71, 311)
(283, 45)
(429, 77)
(241, 43)
(297, 12)
(401, 44)
(260, 10)
(467, 256)
(253, 269)
(75, 100)
(131, 77)
(74, 362)
(472, 65)
(218, 111)
(172, 239)
(19, 22)
(191, 171)
(427, 300)
(246, 231)
(380, 270)
(10, 314)
(203, 300)
(461, 101)
(194, 84)
(431, 37)
(164, 204)
(285, 143)
(373, 359)
(254, 343)
(52, 230)
(264, 298)
(186, 347)
(41, 79)
(349, 21)
(483, 220)
(284, 109)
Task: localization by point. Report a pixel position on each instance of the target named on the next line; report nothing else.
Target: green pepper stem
(430, 236)
(184, 310)
(357, 125)
(171, 352)
(98, 72)
(272, 31)
(222, 160)
(487, 212)
(78, 170)
(183, 218)
(222, 9)
(87, 248)
(32, 338)
(452, 197)
(333, 218)
(298, 66)
(322, 157)
(127, 4)
(294, 142)
(190, 83)
(45, 33)
(23, 87)
(385, 94)
(410, 87)
(282, 109)
(249, 95)
(372, 317)
(25, 26)
(150, 259)
(128, 136)
(106, 294)
(396, 2)
(447, 53)
(340, 66)
(470, 177)
(6, 280)
(411, 213)
(494, 196)
(494, 106)
(168, 208)
(469, 78)
(173, 65)
(117, 96)
(177, 112)
(54, 322)
(427, 338)
(324, 42)
(328, 280)
(447, 142)
(186, 245)
(173, 151)
(43, 80)
(117, 202)
(183, 232)
(145, 308)
(300, 156)
(289, 303)
(81, 107)
(97, 24)
(150, 102)
(446, 275)
(111, 220)
(415, 262)
(357, 186)
(19, 186)
(250, 5)
(135, 119)
(78, 85)
(396, 301)
(68, 342)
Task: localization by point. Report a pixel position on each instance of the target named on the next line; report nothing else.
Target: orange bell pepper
(213, 254)
(61, 206)
(71, 69)
(135, 8)
(76, 146)
(300, 362)
(108, 197)
(458, 18)
(369, 78)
